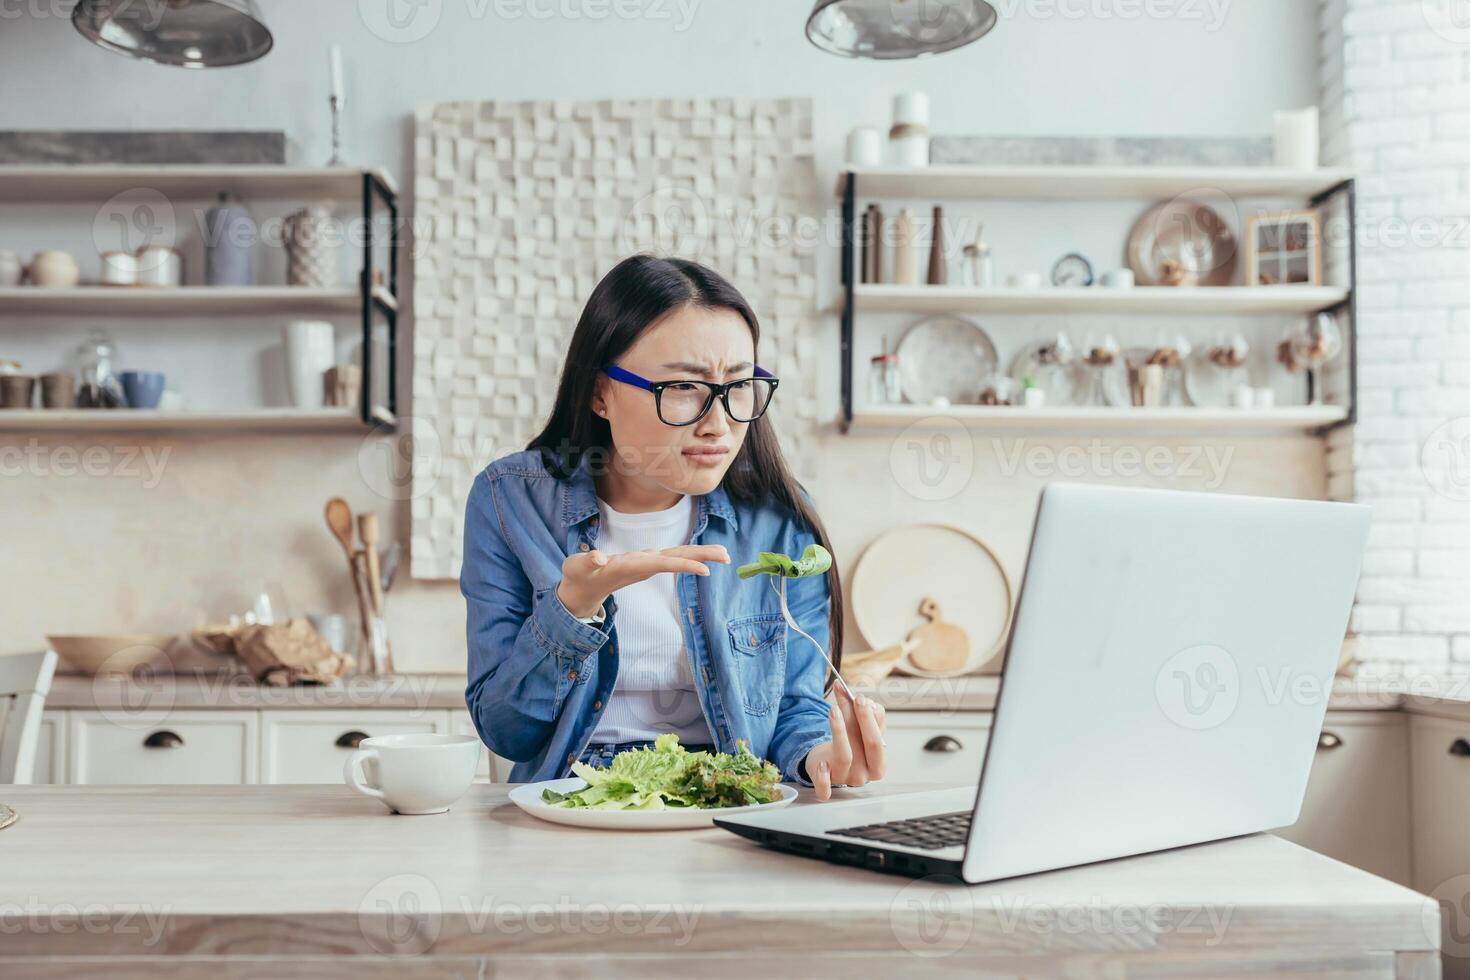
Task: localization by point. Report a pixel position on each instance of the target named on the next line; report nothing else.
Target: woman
(599, 564)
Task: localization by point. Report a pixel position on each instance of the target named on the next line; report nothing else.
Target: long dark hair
(635, 293)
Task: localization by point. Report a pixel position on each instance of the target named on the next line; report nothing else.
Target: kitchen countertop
(156, 880)
(1428, 694)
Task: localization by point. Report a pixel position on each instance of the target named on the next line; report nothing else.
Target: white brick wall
(1396, 108)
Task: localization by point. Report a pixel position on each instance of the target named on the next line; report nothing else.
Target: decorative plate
(945, 357)
(528, 798)
(1188, 232)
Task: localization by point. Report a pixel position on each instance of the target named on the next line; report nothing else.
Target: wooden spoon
(339, 520)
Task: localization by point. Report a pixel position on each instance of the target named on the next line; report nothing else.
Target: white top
(654, 692)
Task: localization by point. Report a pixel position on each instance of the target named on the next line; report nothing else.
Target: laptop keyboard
(928, 833)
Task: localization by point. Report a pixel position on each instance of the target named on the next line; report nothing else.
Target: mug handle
(356, 775)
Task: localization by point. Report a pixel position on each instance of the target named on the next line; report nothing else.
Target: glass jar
(96, 361)
(884, 386)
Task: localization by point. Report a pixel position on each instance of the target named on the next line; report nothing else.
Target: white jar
(12, 269)
(159, 265)
(119, 269)
(864, 147)
(908, 139)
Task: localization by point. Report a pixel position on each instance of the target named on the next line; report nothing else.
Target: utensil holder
(375, 652)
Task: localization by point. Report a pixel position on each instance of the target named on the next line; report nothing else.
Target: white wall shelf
(258, 182)
(1070, 418)
(1202, 300)
(1087, 183)
(140, 420)
(961, 182)
(183, 300)
(371, 297)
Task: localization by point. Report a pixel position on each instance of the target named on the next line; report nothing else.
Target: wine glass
(1100, 358)
(1172, 352)
(1312, 343)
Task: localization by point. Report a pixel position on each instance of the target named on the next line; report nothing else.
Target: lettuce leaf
(813, 561)
(669, 776)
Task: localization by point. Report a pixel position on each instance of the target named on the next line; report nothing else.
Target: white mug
(1118, 279)
(414, 773)
(310, 350)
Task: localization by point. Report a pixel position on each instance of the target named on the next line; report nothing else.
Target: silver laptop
(1165, 681)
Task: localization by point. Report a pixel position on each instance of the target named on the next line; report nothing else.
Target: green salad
(669, 776)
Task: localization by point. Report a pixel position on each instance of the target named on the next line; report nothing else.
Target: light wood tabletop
(318, 880)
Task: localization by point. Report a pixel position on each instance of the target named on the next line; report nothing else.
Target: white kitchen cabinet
(311, 746)
(51, 750)
(1441, 780)
(935, 747)
(202, 746)
(1357, 803)
(492, 768)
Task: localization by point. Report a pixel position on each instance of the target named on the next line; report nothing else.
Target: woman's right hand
(589, 577)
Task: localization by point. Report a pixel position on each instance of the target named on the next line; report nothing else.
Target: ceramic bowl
(120, 653)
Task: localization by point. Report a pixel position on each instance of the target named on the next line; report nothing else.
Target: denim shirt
(539, 678)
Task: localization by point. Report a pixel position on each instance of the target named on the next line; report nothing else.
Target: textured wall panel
(521, 207)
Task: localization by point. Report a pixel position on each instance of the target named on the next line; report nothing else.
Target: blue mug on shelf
(142, 389)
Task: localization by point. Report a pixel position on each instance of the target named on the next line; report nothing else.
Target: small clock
(1071, 270)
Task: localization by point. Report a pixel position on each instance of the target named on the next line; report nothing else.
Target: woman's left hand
(855, 754)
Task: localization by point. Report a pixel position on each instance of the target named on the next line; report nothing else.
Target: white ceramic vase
(310, 350)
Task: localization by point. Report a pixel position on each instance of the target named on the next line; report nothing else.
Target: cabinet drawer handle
(1459, 747)
(1328, 740)
(351, 740)
(943, 743)
(163, 740)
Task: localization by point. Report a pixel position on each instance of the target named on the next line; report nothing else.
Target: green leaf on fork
(813, 561)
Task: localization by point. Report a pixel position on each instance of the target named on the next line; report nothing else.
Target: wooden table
(233, 881)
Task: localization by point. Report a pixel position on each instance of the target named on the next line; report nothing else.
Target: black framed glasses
(686, 402)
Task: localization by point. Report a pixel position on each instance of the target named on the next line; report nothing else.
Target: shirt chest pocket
(758, 648)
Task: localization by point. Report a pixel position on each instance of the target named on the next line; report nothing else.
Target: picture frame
(1284, 248)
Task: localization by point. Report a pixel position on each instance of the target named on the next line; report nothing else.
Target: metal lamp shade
(889, 29)
(187, 33)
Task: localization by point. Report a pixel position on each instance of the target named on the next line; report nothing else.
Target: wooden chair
(25, 680)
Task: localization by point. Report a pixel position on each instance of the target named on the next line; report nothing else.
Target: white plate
(945, 357)
(1208, 385)
(528, 798)
(951, 566)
